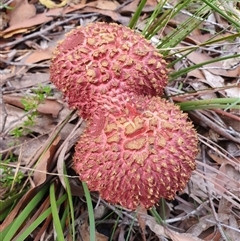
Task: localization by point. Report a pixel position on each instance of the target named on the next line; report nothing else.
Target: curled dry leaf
(161, 231)
(44, 164)
(85, 235)
(199, 186)
(233, 234)
(207, 222)
(231, 179)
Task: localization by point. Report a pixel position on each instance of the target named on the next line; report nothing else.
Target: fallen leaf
(212, 80)
(4, 19)
(47, 107)
(107, 5)
(85, 235)
(231, 180)
(21, 27)
(112, 14)
(215, 68)
(206, 222)
(29, 80)
(37, 56)
(230, 232)
(161, 231)
(201, 85)
(131, 7)
(50, 107)
(21, 12)
(28, 146)
(45, 163)
(233, 92)
(52, 4)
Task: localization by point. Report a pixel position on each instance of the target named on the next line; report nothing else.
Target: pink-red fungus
(102, 59)
(137, 155)
(137, 147)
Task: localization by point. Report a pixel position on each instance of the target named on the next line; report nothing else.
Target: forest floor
(39, 131)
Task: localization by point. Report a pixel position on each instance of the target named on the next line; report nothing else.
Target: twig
(219, 150)
(210, 198)
(213, 126)
(4, 114)
(123, 5)
(224, 225)
(192, 213)
(23, 64)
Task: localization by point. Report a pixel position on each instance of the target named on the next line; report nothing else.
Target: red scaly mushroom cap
(139, 154)
(101, 58)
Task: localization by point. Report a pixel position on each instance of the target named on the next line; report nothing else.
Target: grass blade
(56, 219)
(90, 212)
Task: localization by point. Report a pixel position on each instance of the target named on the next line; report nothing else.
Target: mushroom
(137, 155)
(106, 61)
(137, 147)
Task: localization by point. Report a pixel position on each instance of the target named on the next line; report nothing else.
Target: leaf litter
(208, 209)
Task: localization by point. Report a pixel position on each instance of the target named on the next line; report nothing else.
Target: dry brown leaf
(52, 4)
(196, 73)
(153, 3)
(201, 85)
(233, 92)
(112, 14)
(213, 236)
(199, 185)
(29, 80)
(233, 234)
(215, 68)
(29, 146)
(206, 222)
(43, 124)
(13, 115)
(37, 56)
(212, 80)
(198, 38)
(85, 235)
(50, 107)
(231, 179)
(232, 122)
(4, 19)
(106, 5)
(22, 11)
(131, 7)
(161, 231)
(47, 107)
(41, 18)
(44, 164)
